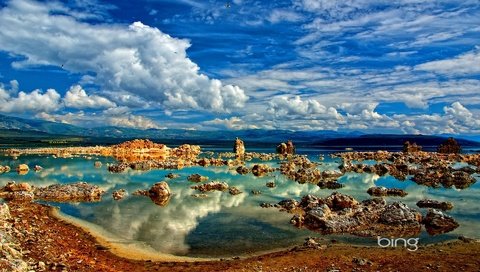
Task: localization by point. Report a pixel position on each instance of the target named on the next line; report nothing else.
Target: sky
(375, 66)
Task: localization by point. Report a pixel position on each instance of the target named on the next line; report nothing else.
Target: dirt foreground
(51, 244)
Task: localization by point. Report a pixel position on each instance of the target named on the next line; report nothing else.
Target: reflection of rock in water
(163, 229)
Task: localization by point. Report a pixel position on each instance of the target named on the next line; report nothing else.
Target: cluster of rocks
(440, 205)
(197, 178)
(287, 148)
(435, 176)
(340, 213)
(411, 148)
(148, 165)
(302, 170)
(382, 191)
(260, 170)
(427, 168)
(211, 186)
(74, 192)
(216, 162)
(450, 146)
(19, 192)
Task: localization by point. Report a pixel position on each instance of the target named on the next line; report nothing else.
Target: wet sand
(64, 246)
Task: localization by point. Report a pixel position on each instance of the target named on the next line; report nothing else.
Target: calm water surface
(222, 225)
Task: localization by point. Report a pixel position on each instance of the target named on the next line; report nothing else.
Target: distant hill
(14, 130)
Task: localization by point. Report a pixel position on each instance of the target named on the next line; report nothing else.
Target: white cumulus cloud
(137, 59)
(76, 97)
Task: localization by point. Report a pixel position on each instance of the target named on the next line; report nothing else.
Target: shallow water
(222, 225)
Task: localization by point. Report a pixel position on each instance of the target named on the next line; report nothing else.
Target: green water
(222, 225)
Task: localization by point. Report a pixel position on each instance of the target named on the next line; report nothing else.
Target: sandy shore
(61, 245)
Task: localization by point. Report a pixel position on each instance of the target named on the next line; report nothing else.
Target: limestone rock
(239, 149)
(119, 194)
(429, 203)
(196, 178)
(211, 186)
(436, 222)
(382, 191)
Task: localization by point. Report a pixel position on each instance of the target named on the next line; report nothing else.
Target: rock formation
(429, 203)
(160, 193)
(211, 186)
(411, 148)
(22, 169)
(197, 178)
(260, 170)
(382, 191)
(340, 213)
(119, 194)
(436, 222)
(239, 149)
(450, 146)
(234, 190)
(287, 148)
(74, 192)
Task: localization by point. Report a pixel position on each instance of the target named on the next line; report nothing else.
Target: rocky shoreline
(24, 221)
(33, 238)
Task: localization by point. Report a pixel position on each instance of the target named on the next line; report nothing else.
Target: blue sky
(404, 66)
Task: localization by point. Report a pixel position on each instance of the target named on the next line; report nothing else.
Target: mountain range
(15, 130)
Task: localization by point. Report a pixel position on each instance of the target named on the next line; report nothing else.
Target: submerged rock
(196, 178)
(37, 168)
(382, 191)
(429, 203)
(74, 192)
(436, 222)
(119, 194)
(211, 186)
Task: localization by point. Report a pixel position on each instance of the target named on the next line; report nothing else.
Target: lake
(222, 225)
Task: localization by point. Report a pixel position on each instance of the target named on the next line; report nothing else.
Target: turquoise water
(222, 225)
